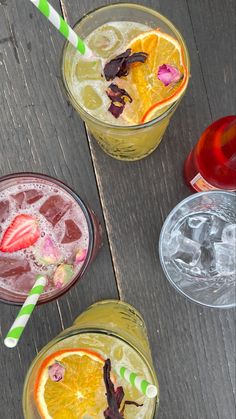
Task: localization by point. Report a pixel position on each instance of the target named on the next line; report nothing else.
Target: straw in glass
(141, 384)
(51, 14)
(23, 316)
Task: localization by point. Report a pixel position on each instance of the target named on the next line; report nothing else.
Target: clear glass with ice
(197, 248)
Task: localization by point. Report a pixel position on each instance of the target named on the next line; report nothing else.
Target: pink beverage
(66, 238)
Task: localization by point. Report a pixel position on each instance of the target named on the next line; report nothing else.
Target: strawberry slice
(22, 233)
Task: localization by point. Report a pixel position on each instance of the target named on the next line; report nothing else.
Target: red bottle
(212, 163)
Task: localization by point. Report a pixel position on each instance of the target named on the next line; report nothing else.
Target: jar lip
(95, 120)
(7, 296)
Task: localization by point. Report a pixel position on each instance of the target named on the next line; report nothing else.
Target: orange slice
(152, 97)
(80, 394)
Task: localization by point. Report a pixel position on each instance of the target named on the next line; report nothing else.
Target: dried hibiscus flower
(114, 397)
(118, 97)
(119, 66)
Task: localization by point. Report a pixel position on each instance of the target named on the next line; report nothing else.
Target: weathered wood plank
(193, 347)
(39, 132)
(215, 34)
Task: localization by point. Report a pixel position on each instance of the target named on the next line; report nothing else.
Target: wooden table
(193, 347)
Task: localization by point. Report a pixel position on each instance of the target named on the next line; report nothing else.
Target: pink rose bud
(80, 255)
(49, 252)
(62, 275)
(56, 371)
(168, 74)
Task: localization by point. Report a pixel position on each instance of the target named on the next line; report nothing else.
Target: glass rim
(44, 298)
(70, 333)
(76, 105)
(163, 265)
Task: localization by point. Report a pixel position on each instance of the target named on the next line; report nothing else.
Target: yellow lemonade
(132, 125)
(108, 329)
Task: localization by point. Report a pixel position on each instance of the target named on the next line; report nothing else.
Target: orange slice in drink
(152, 97)
(81, 392)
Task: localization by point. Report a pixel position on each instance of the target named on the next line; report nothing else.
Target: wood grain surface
(193, 347)
(39, 132)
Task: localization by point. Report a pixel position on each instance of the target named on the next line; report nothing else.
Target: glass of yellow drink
(109, 31)
(107, 329)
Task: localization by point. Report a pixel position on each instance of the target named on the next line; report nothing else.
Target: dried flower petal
(114, 397)
(118, 97)
(80, 255)
(62, 275)
(119, 66)
(168, 74)
(56, 371)
(129, 402)
(116, 109)
(49, 254)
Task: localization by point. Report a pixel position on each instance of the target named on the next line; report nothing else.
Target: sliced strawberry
(22, 233)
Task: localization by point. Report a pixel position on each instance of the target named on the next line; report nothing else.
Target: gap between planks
(99, 189)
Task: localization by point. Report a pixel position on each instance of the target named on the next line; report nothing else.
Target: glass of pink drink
(69, 236)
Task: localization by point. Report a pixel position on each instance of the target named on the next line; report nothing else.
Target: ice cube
(13, 266)
(229, 234)
(54, 208)
(208, 258)
(195, 271)
(4, 210)
(90, 98)
(24, 282)
(72, 232)
(200, 226)
(184, 249)
(105, 40)
(27, 197)
(89, 70)
(216, 228)
(187, 269)
(225, 258)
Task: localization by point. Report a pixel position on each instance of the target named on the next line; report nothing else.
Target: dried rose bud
(49, 253)
(56, 371)
(80, 255)
(168, 74)
(62, 275)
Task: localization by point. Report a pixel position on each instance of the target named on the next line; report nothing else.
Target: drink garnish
(152, 95)
(56, 371)
(120, 65)
(80, 255)
(118, 98)
(62, 275)
(79, 393)
(168, 74)
(49, 253)
(22, 233)
(114, 397)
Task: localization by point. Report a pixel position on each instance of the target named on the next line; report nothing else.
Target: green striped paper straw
(19, 324)
(148, 389)
(51, 14)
